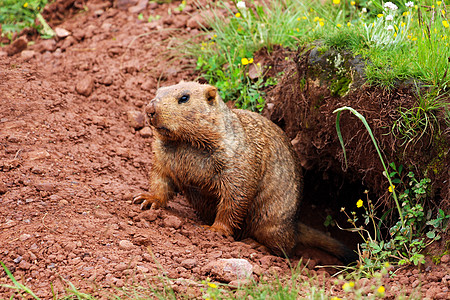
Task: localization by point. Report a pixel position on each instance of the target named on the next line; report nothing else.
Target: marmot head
(187, 111)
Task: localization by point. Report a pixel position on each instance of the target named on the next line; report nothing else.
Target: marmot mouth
(163, 130)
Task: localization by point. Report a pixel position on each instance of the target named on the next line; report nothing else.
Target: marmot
(237, 169)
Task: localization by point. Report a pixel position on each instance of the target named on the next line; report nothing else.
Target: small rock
(46, 45)
(146, 132)
(26, 55)
(63, 202)
(61, 33)
(3, 188)
(227, 270)
(107, 80)
(255, 71)
(445, 258)
(173, 222)
(3, 53)
(140, 6)
(238, 283)
(38, 154)
(415, 283)
(17, 46)
(69, 41)
(126, 245)
(85, 86)
(18, 259)
(136, 119)
(24, 265)
(24, 237)
(125, 4)
(189, 263)
(121, 267)
(149, 215)
(44, 186)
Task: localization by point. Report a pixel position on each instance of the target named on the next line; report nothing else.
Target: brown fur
(237, 169)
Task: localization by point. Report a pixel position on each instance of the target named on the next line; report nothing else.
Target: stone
(45, 45)
(146, 132)
(38, 155)
(136, 119)
(61, 33)
(3, 188)
(445, 258)
(25, 236)
(173, 222)
(45, 186)
(17, 46)
(189, 263)
(85, 86)
(140, 6)
(126, 245)
(228, 270)
(149, 215)
(125, 4)
(26, 55)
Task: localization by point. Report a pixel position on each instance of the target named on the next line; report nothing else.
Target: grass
(298, 285)
(410, 42)
(15, 15)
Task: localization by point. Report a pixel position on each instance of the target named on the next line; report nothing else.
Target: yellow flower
(352, 3)
(445, 23)
(443, 12)
(439, 2)
(349, 24)
(298, 19)
(380, 15)
(238, 15)
(316, 19)
(336, 298)
(214, 286)
(405, 13)
(347, 287)
(338, 25)
(304, 17)
(244, 61)
(402, 24)
(25, 5)
(297, 29)
(321, 23)
(336, 1)
(359, 203)
(392, 187)
(381, 290)
(250, 61)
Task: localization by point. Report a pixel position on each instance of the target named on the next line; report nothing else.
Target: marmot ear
(211, 94)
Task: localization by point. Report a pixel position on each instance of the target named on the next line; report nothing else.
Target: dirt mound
(73, 151)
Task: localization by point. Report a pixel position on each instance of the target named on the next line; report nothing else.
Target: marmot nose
(150, 109)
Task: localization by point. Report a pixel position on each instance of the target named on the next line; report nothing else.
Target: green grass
(16, 15)
(416, 46)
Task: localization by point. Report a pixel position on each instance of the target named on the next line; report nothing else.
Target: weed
(17, 15)
(406, 240)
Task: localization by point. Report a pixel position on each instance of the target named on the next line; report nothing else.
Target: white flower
(389, 17)
(240, 5)
(390, 28)
(364, 10)
(409, 4)
(390, 6)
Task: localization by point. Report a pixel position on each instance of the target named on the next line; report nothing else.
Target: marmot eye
(183, 99)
